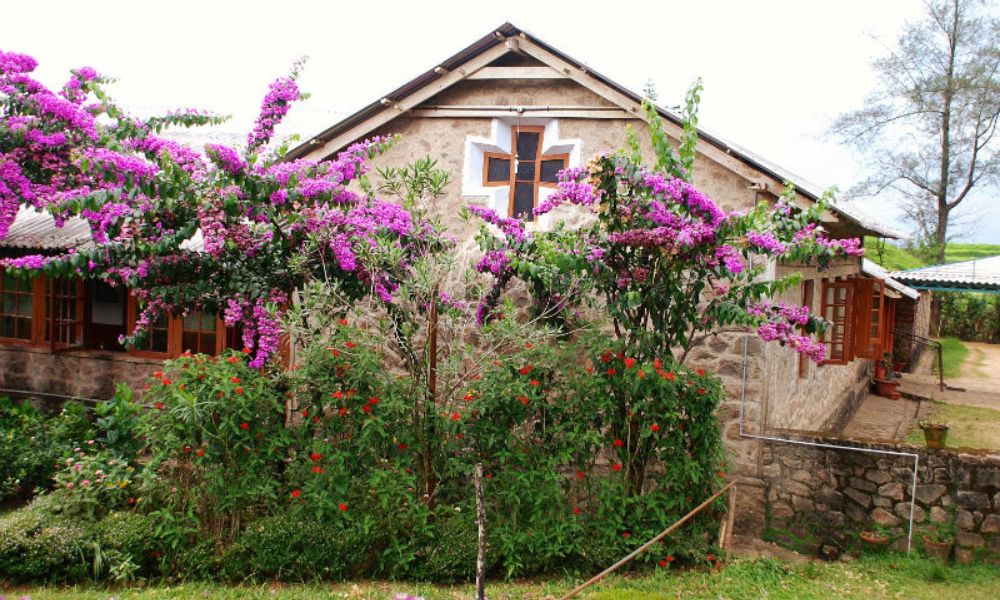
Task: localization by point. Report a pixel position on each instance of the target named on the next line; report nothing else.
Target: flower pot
(935, 435)
(898, 366)
(939, 550)
(879, 371)
(874, 539)
(887, 388)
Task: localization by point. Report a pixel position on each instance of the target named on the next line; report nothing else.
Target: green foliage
(970, 317)
(117, 423)
(32, 443)
(217, 440)
(953, 355)
(35, 545)
(93, 481)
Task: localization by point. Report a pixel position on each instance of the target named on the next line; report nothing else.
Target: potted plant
(883, 367)
(938, 543)
(935, 434)
(877, 537)
(898, 363)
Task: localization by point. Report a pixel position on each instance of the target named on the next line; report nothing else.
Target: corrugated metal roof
(875, 270)
(37, 230)
(871, 225)
(981, 274)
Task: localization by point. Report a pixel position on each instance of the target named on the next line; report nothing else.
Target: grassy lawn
(960, 252)
(969, 426)
(953, 355)
(901, 259)
(890, 576)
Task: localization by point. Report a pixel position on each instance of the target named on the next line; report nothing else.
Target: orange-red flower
(317, 469)
(580, 474)
(350, 344)
(618, 443)
(159, 405)
(629, 363)
(373, 400)
(232, 359)
(616, 467)
(239, 390)
(245, 350)
(663, 563)
(611, 371)
(535, 382)
(701, 371)
(158, 374)
(526, 369)
(342, 322)
(343, 411)
(455, 416)
(165, 381)
(654, 427)
(367, 408)
(576, 510)
(523, 400)
(305, 412)
(234, 379)
(342, 507)
(626, 535)
(296, 493)
(244, 426)
(315, 456)
(334, 352)
(702, 391)
(200, 452)
(641, 374)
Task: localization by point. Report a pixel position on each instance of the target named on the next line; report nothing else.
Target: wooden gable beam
(396, 107)
(517, 73)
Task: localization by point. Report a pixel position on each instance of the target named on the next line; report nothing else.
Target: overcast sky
(775, 72)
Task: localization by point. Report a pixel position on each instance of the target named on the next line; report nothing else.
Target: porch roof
(979, 275)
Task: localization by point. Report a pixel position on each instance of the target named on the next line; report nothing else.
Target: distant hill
(894, 258)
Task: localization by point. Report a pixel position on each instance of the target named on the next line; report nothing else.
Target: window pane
(551, 168)
(207, 322)
(190, 341)
(9, 306)
(498, 170)
(527, 145)
(524, 200)
(24, 306)
(526, 170)
(207, 345)
(108, 306)
(191, 322)
(7, 326)
(158, 340)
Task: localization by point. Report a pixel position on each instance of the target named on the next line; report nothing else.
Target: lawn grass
(960, 252)
(968, 426)
(869, 578)
(894, 258)
(953, 355)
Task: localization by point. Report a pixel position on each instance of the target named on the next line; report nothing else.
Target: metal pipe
(916, 457)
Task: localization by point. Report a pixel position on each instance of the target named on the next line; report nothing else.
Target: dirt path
(977, 385)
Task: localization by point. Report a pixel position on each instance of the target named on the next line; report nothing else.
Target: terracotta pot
(874, 539)
(938, 550)
(898, 366)
(935, 435)
(887, 388)
(879, 371)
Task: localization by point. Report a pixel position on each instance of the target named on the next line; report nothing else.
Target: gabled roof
(979, 275)
(869, 267)
(509, 38)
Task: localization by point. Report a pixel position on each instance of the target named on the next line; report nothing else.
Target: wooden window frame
(37, 290)
(847, 342)
(867, 345)
(221, 333)
(132, 315)
(512, 179)
(52, 319)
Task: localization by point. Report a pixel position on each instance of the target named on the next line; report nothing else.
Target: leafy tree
(928, 129)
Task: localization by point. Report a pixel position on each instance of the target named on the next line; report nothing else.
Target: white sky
(775, 72)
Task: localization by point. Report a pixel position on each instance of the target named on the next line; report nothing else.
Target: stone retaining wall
(819, 496)
(77, 373)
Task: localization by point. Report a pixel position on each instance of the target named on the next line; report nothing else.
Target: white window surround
(498, 197)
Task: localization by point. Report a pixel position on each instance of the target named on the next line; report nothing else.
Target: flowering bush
(93, 481)
(216, 434)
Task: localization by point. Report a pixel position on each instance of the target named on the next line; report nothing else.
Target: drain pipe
(784, 440)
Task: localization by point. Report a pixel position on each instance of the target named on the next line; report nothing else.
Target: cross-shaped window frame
(513, 162)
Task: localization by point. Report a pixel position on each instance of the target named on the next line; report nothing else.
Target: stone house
(504, 115)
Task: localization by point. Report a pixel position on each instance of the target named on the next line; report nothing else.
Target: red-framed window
(859, 315)
(837, 307)
(524, 170)
(17, 308)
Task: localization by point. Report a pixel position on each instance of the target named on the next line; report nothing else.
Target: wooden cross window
(63, 312)
(201, 333)
(524, 170)
(838, 308)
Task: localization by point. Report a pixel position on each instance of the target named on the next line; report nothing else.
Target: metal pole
(645, 546)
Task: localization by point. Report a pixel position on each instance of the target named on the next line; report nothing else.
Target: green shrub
(37, 546)
(92, 482)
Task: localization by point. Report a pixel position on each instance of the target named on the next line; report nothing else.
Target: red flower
(590, 369)
(611, 371)
(576, 510)
(234, 379)
(315, 418)
(670, 376)
(244, 426)
(232, 359)
(305, 412)
(373, 400)
(343, 411)
(201, 376)
(606, 357)
(317, 469)
(670, 558)
(338, 394)
(350, 393)
(616, 467)
(342, 507)
(629, 363)
(523, 399)
(722, 474)
(654, 427)
(702, 391)
(467, 397)
(187, 449)
(455, 416)
(663, 563)
(342, 322)
(701, 372)
(580, 474)
(401, 446)
(315, 456)
(657, 363)
(200, 452)
(618, 443)
(245, 350)
(626, 535)
(239, 390)
(641, 374)
(489, 476)
(535, 382)
(367, 408)
(350, 345)
(711, 558)
(334, 352)
(165, 381)
(158, 374)
(296, 493)
(159, 405)
(526, 369)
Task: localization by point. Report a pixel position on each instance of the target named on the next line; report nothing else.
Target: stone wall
(819, 496)
(82, 373)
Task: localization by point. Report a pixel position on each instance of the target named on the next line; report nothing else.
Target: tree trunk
(481, 543)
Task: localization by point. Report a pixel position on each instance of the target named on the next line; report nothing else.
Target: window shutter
(837, 307)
